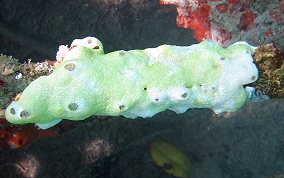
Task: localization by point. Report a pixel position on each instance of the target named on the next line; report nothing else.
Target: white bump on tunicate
(92, 85)
(154, 52)
(74, 105)
(16, 108)
(157, 96)
(121, 53)
(222, 58)
(70, 66)
(248, 72)
(210, 89)
(16, 112)
(181, 98)
(244, 43)
(72, 54)
(130, 74)
(122, 107)
(147, 110)
(170, 73)
(12, 111)
(24, 114)
(89, 42)
(178, 93)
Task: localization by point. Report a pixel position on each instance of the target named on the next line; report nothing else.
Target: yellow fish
(171, 159)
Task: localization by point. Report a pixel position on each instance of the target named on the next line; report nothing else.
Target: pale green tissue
(137, 83)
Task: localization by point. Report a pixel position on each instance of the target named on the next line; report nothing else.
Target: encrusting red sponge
(204, 10)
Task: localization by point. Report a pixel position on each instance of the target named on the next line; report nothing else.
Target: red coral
(246, 21)
(281, 5)
(201, 26)
(221, 35)
(269, 33)
(195, 14)
(234, 2)
(222, 8)
(277, 16)
(204, 10)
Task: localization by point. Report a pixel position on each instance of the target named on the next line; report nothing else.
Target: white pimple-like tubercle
(178, 94)
(13, 113)
(157, 96)
(89, 42)
(245, 44)
(129, 74)
(73, 53)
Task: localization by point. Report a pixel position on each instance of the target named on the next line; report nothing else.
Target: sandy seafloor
(248, 143)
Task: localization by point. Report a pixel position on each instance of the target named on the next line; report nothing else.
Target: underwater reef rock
(270, 63)
(227, 21)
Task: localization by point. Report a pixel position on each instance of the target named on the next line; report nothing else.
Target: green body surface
(137, 83)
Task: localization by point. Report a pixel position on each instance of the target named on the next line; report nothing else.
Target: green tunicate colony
(137, 83)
